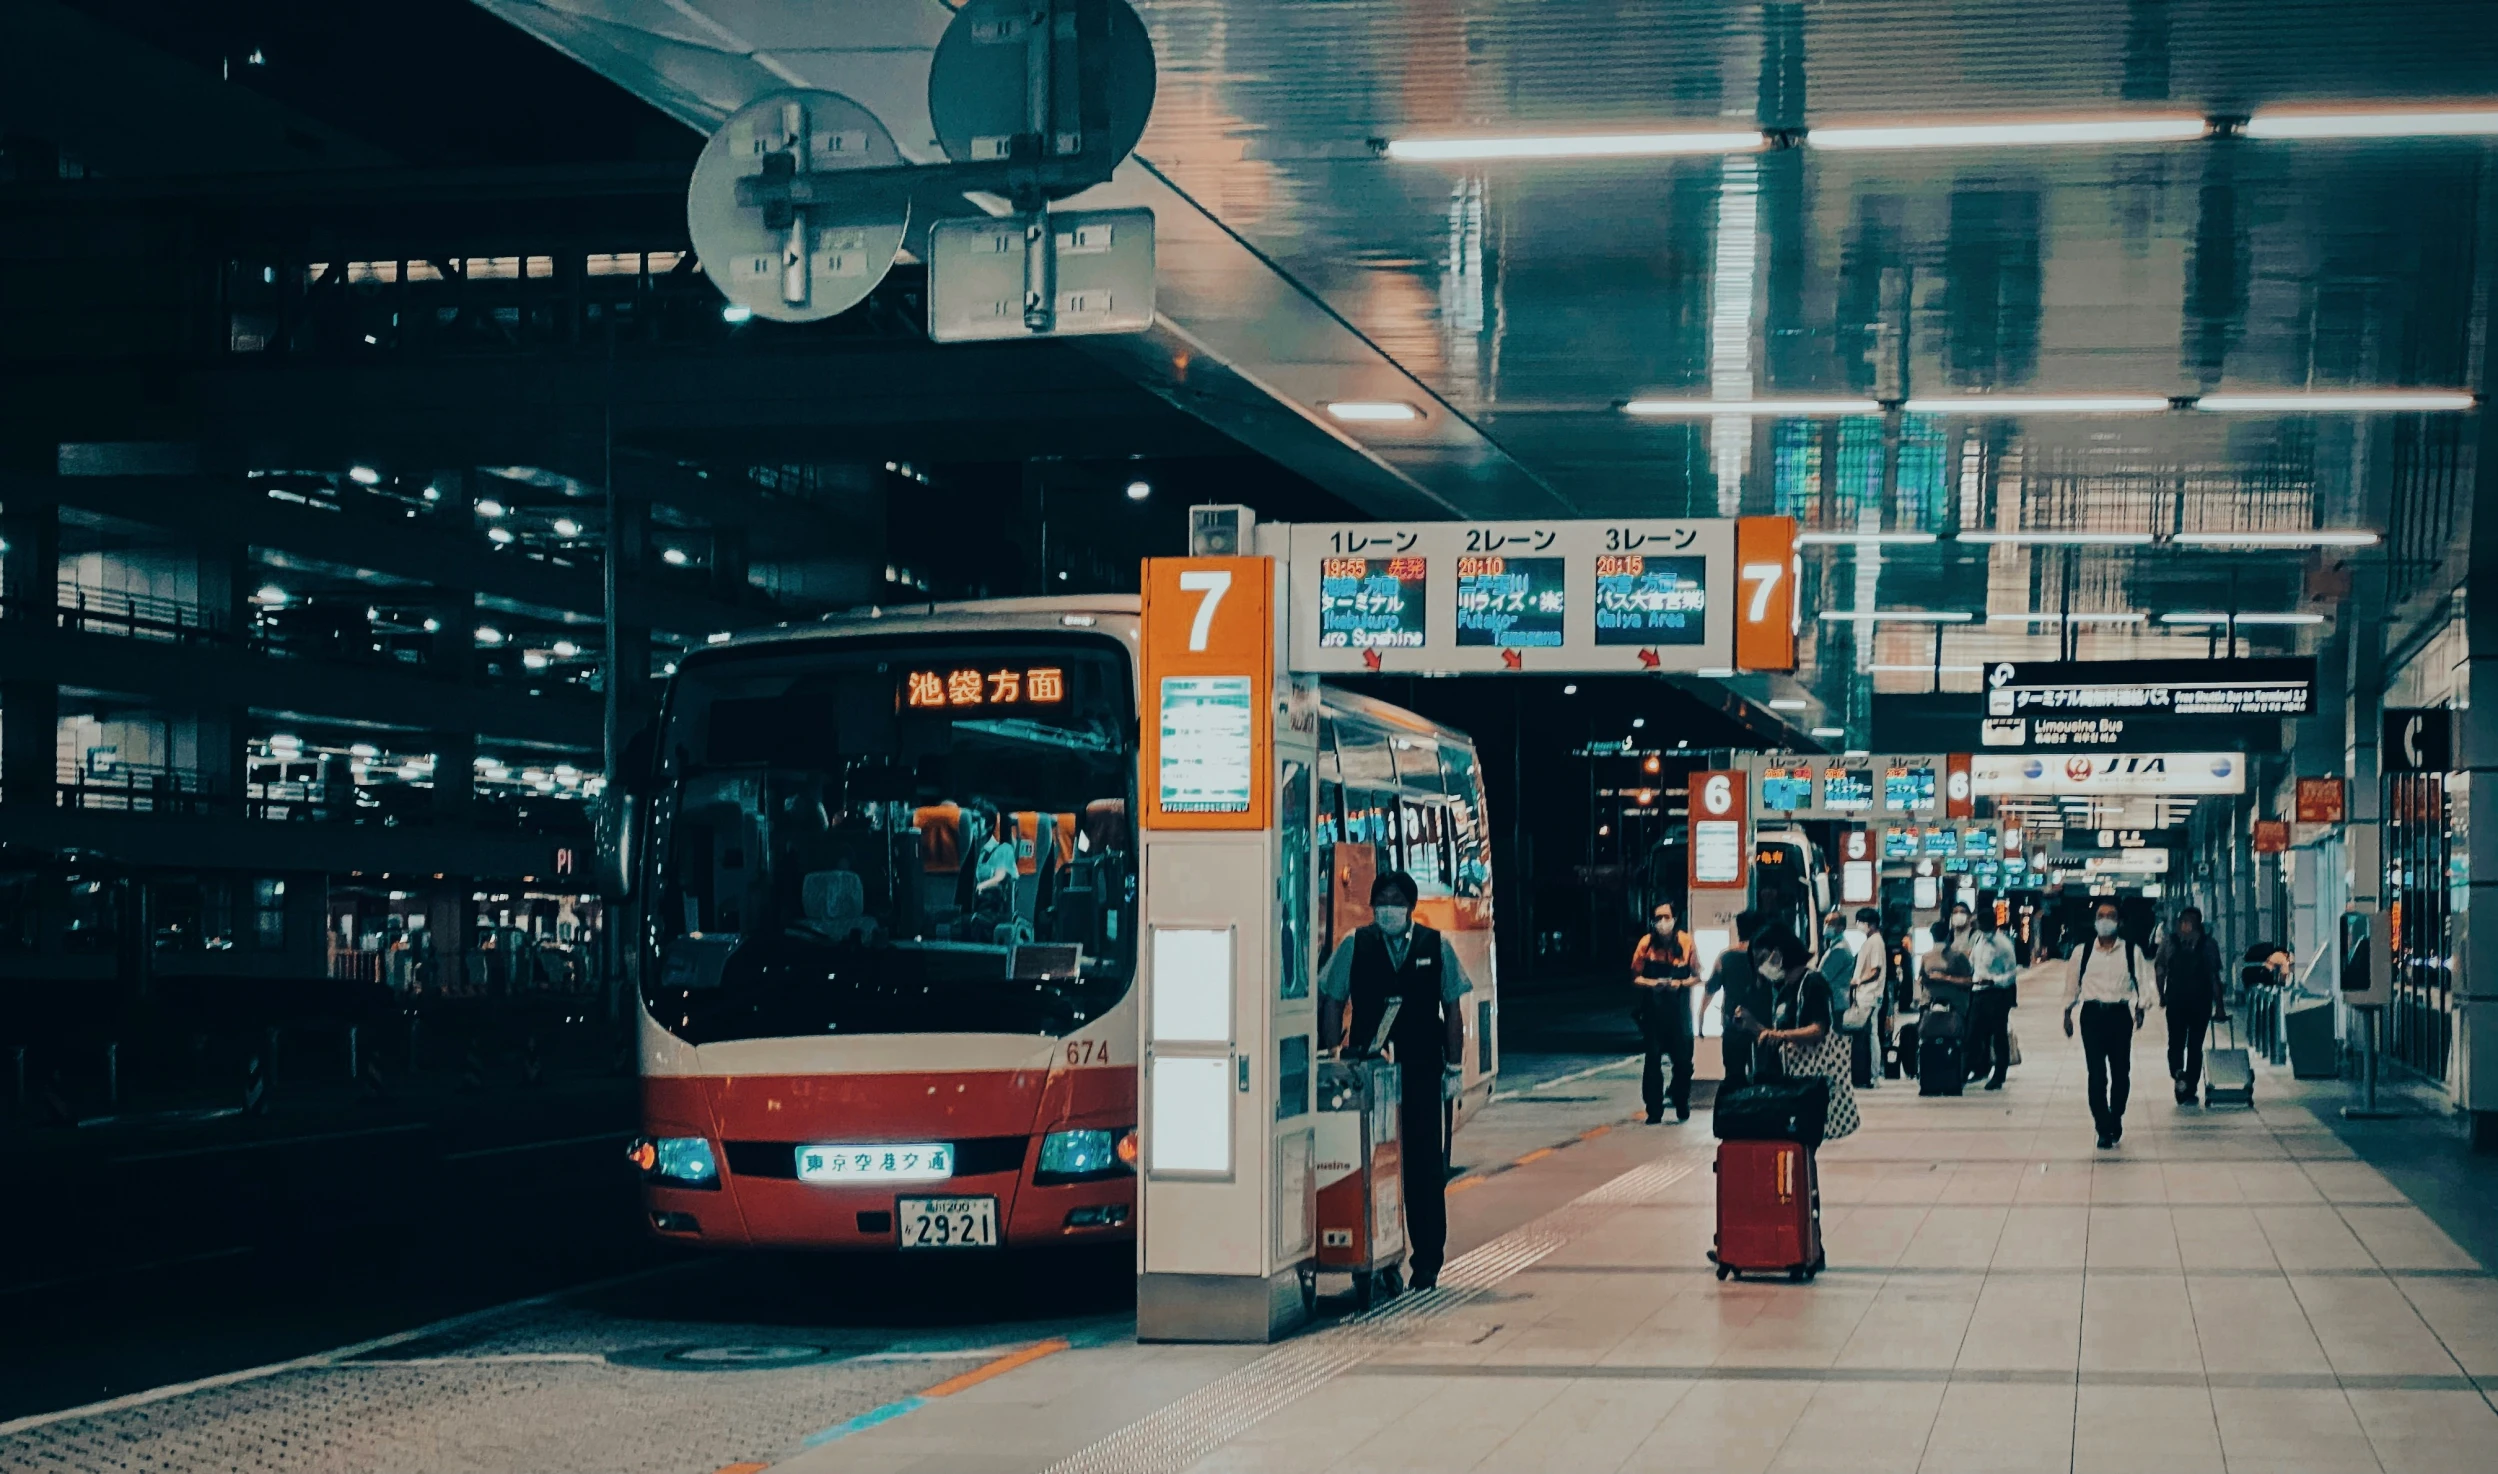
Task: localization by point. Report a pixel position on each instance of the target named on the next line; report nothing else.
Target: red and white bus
(889, 888)
(890, 923)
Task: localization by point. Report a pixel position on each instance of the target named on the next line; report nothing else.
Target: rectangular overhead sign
(1098, 264)
(1563, 596)
(2175, 774)
(2284, 687)
(1893, 786)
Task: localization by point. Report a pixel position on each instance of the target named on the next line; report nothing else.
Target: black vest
(1419, 1033)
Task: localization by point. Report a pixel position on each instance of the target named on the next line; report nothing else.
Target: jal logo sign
(2181, 773)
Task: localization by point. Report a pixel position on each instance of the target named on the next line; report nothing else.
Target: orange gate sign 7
(1208, 720)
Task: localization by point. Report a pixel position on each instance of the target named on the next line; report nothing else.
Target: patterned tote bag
(1829, 1059)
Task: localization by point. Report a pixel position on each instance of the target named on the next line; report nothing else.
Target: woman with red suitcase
(1768, 1201)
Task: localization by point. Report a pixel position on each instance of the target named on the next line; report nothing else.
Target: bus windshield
(917, 835)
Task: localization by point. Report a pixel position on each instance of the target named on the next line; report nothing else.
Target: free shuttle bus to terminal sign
(1709, 595)
(2060, 696)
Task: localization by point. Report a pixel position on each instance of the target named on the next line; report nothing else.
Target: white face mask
(1394, 920)
(1665, 927)
(2105, 926)
(1960, 923)
(1773, 969)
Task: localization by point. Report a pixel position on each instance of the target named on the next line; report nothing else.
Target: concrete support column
(30, 570)
(30, 722)
(454, 653)
(2476, 744)
(455, 778)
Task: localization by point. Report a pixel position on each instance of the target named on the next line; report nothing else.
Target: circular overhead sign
(979, 84)
(793, 262)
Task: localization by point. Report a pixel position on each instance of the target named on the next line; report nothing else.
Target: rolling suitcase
(1768, 1210)
(2228, 1074)
(1940, 1065)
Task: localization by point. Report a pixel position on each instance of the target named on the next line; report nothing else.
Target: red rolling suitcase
(1768, 1210)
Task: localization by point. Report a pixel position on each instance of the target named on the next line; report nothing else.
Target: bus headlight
(1080, 1156)
(676, 1161)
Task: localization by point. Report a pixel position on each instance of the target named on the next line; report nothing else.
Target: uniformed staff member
(1393, 959)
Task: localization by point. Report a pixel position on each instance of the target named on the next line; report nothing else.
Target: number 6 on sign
(1211, 582)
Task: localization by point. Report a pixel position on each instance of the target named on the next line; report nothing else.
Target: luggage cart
(1359, 1170)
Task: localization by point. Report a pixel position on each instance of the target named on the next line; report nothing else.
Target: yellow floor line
(998, 1368)
(1537, 1155)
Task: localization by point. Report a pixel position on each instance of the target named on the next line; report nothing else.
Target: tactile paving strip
(541, 1390)
(1176, 1437)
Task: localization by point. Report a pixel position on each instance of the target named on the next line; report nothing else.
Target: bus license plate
(946, 1223)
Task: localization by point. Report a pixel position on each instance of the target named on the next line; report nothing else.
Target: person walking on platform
(2111, 991)
(1662, 975)
(1393, 961)
(1737, 988)
(1996, 973)
(1868, 991)
(2189, 966)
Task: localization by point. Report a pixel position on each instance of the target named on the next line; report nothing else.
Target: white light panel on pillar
(1192, 983)
(1192, 1120)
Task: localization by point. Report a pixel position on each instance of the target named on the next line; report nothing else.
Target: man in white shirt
(2113, 985)
(1994, 969)
(1867, 983)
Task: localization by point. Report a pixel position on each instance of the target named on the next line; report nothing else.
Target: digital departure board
(1208, 752)
(1979, 842)
(1647, 600)
(1511, 603)
(1787, 790)
(1899, 843)
(1847, 790)
(1371, 603)
(1942, 842)
(1908, 790)
(1650, 596)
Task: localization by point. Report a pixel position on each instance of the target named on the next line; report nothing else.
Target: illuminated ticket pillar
(1227, 760)
(1720, 860)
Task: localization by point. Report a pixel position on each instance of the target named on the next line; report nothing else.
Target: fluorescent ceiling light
(2167, 129)
(2039, 404)
(2353, 400)
(2066, 618)
(1703, 409)
(1830, 539)
(2214, 617)
(1830, 731)
(1787, 703)
(1921, 670)
(1373, 410)
(2317, 537)
(1576, 146)
(2059, 539)
(1897, 616)
(2420, 123)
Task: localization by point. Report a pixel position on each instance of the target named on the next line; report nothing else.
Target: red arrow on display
(1648, 658)
(1514, 659)
(1370, 660)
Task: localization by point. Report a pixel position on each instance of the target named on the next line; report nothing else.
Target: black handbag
(1795, 1110)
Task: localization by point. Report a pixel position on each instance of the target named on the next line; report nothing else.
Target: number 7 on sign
(1765, 578)
(1213, 583)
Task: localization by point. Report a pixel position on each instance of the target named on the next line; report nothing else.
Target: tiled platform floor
(2226, 1291)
